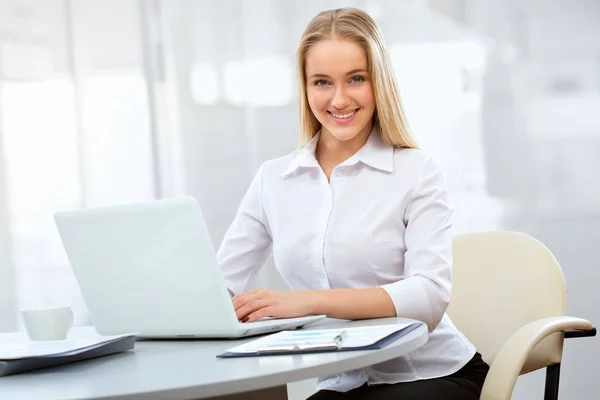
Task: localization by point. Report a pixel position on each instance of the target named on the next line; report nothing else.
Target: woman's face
(339, 88)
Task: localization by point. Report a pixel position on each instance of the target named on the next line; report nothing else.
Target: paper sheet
(355, 337)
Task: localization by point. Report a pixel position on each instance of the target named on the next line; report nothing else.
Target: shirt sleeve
(424, 293)
(247, 242)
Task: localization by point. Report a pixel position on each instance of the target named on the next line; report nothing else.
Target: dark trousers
(464, 384)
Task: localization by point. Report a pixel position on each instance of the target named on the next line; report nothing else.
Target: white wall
(8, 302)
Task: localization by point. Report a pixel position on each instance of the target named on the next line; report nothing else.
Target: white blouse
(383, 220)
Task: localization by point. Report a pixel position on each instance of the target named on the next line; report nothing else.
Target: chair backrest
(502, 281)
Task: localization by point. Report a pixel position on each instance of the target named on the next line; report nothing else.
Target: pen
(285, 348)
(339, 337)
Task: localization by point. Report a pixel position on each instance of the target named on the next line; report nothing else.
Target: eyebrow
(354, 71)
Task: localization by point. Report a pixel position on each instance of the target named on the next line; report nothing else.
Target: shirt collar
(375, 153)
(305, 157)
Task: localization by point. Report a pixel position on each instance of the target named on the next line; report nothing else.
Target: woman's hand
(260, 303)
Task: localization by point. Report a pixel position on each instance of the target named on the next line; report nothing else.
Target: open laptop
(151, 268)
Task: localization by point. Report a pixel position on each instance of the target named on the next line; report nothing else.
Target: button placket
(327, 210)
(335, 183)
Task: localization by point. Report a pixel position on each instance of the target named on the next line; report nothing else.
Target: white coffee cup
(48, 323)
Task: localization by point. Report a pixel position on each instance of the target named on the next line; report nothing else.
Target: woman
(358, 219)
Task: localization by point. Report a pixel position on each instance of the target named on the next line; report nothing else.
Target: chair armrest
(507, 364)
(577, 333)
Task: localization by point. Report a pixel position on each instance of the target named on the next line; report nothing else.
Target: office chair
(509, 299)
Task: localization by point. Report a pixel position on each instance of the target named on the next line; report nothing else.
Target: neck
(335, 151)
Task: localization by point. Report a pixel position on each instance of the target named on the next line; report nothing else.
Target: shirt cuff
(411, 300)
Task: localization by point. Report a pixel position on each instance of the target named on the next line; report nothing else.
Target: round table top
(175, 369)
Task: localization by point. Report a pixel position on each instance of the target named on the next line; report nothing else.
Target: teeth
(343, 116)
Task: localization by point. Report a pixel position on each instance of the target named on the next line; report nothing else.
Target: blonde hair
(357, 26)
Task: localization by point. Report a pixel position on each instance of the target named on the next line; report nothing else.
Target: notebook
(323, 340)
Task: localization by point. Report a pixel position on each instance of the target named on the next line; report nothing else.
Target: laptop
(151, 268)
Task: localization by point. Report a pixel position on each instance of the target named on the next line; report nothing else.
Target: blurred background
(113, 101)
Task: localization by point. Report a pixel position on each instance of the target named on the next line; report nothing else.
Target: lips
(343, 114)
(343, 118)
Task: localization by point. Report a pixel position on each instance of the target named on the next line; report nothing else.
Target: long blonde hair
(356, 25)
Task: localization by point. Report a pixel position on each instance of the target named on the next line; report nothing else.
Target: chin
(345, 133)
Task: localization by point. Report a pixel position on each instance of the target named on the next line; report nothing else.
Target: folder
(305, 341)
(18, 354)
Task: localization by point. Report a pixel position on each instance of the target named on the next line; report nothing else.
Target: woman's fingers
(251, 307)
(241, 299)
(260, 303)
(263, 312)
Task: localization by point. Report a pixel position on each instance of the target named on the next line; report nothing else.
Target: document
(304, 341)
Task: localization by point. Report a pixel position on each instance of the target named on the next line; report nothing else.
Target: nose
(340, 99)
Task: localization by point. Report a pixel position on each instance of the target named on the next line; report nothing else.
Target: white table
(189, 369)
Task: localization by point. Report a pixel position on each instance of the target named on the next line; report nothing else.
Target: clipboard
(341, 339)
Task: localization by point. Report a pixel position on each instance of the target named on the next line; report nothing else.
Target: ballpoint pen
(337, 344)
(339, 338)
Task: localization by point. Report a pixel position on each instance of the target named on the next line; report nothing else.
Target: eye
(357, 79)
(321, 83)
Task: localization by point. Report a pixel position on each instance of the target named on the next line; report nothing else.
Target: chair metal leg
(552, 381)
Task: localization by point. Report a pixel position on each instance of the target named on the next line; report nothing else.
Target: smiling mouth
(343, 115)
